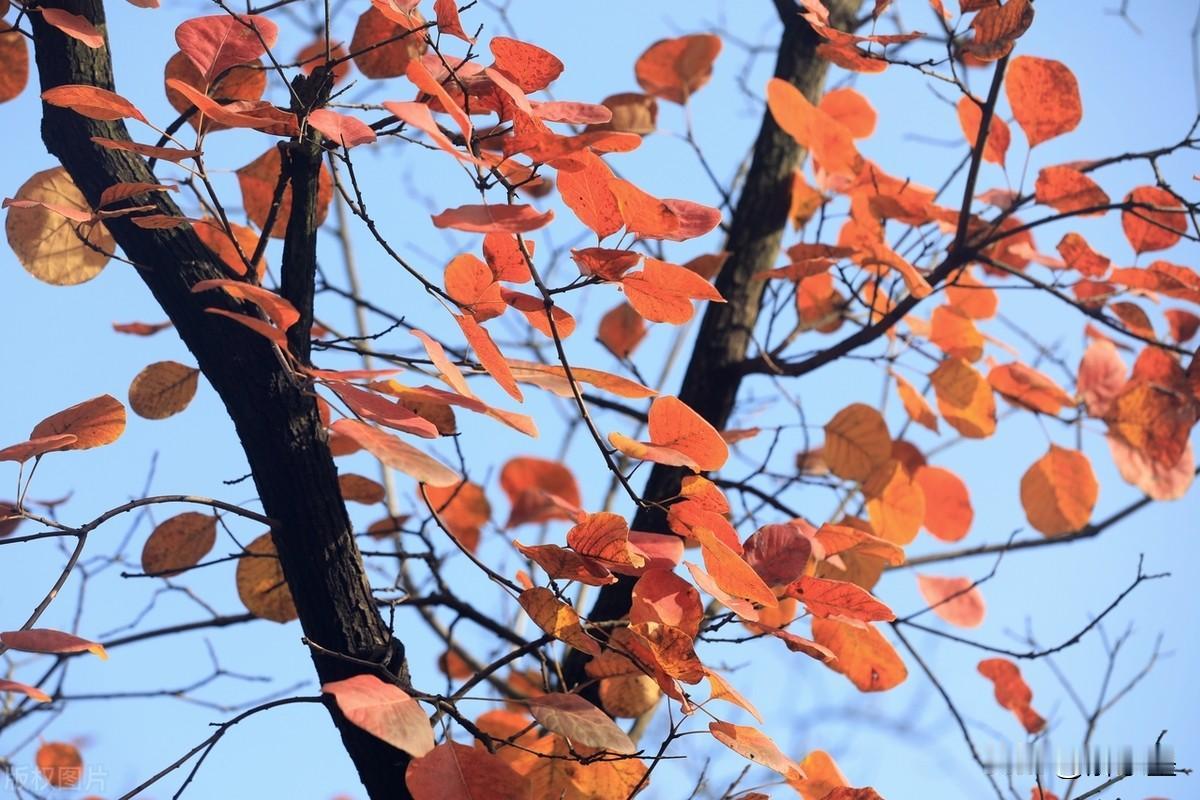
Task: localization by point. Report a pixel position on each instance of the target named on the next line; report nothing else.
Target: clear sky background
(58, 348)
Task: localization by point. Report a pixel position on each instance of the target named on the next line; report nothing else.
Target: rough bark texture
(275, 417)
(711, 383)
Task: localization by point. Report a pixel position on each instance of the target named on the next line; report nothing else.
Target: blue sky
(58, 348)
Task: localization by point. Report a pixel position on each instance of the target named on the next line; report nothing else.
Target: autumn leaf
(557, 619)
(956, 600)
(260, 582)
(539, 490)
(948, 512)
(32, 692)
(179, 543)
(397, 454)
(662, 292)
(453, 771)
(60, 763)
(163, 389)
(216, 43)
(92, 102)
(1059, 492)
(863, 655)
(964, 398)
(493, 219)
(48, 640)
(1155, 228)
(383, 710)
(830, 598)
(1012, 692)
(93, 423)
(1044, 97)
(675, 69)
(47, 243)
(857, 442)
(756, 746)
(580, 721)
(678, 437)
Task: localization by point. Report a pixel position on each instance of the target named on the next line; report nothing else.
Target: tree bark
(274, 413)
(711, 383)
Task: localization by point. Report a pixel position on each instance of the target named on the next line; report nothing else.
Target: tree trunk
(710, 385)
(273, 412)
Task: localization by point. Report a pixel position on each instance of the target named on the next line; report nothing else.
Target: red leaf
(953, 599)
(397, 454)
(92, 102)
(384, 711)
(75, 26)
(220, 41)
(453, 771)
(1011, 691)
(1044, 97)
(571, 716)
(343, 129)
(529, 66)
(47, 640)
(32, 691)
(493, 218)
(448, 21)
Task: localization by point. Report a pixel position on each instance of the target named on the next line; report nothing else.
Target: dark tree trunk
(710, 385)
(274, 414)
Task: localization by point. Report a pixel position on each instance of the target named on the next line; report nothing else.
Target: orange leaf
(955, 334)
(1011, 691)
(662, 596)
(730, 572)
(453, 771)
(93, 423)
(955, 600)
(179, 543)
(678, 437)
(493, 218)
(1027, 387)
(604, 536)
(48, 640)
(756, 746)
(1153, 228)
(863, 655)
(964, 398)
(163, 389)
(948, 512)
(1059, 492)
(662, 292)
(915, 405)
(675, 69)
(585, 190)
(260, 583)
(529, 66)
(257, 181)
(489, 355)
(383, 710)
(554, 378)
(571, 716)
(381, 44)
(30, 691)
(220, 41)
(1044, 97)
(471, 283)
(539, 490)
(398, 455)
(341, 129)
(621, 330)
(14, 56)
(38, 446)
(448, 21)
(1067, 190)
(830, 598)
(75, 26)
(464, 510)
(851, 109)
(60, 762)
(822, 776)
(92, 102)
(557, 619)
(1159, 481)
(831, 144)
(895, 503)
(857, 442)
(563, 564)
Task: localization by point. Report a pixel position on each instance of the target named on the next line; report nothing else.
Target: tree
(868, 250)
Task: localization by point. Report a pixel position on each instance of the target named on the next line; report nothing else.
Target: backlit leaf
(179, 543)
(383, 710)
(163, 389)
(1044, 97)
(1059, 492)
